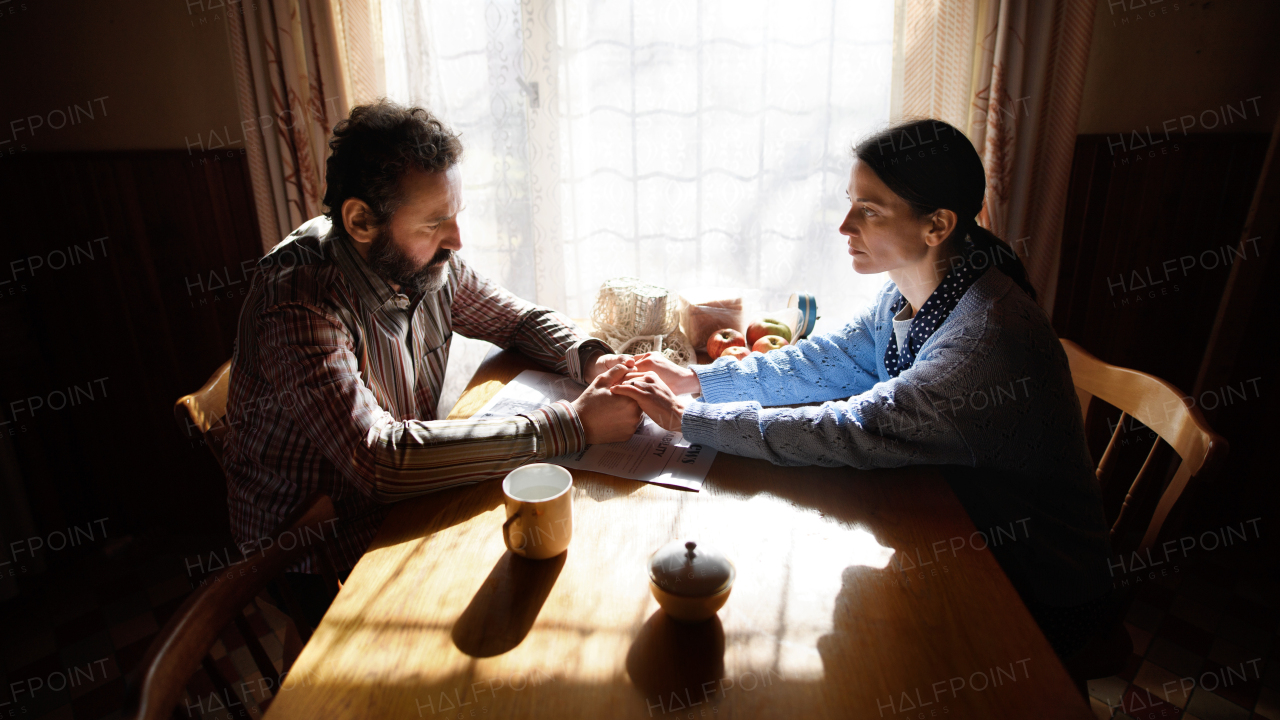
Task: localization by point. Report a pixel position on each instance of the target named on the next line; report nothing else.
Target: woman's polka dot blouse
(933, 313)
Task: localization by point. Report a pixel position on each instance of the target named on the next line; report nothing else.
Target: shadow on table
(846, 494)
(602, 488)
(428, 514)
(503, 610)
(674, 657)
(876, 656)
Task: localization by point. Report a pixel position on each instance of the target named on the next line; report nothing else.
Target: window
(687, 143)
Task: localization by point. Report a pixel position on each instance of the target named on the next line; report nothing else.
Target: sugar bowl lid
(689, 569)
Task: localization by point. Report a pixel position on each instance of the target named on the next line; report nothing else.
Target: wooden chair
(183, 644)
(200, 414)
(1142, 518)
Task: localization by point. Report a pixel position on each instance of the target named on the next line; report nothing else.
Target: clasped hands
(623, 386)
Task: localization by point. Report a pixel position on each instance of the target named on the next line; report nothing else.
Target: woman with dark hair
(953, 364)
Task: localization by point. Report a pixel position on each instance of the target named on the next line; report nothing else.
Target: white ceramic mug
(539, 500)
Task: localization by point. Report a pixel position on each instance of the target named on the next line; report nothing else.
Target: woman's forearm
(689, 384)
(823, 367)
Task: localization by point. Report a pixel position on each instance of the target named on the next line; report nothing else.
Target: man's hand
(680, 380)
(654, 397)
(607, 417)
(603, 363)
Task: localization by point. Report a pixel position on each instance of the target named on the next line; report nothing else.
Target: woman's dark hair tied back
(933, 166)
(896, 140)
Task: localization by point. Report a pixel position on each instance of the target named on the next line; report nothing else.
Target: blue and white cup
(807, 306)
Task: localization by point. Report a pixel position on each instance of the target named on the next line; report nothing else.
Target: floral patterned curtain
(1010, 73)
(299, 65)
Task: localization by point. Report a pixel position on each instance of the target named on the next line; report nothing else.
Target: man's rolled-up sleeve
(485, 311)
(310, 356)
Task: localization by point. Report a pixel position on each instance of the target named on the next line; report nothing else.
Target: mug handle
(506, 534)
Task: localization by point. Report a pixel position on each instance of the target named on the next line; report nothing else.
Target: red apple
(737, 352)
(767, 326)
(722, 339)
(768, 342)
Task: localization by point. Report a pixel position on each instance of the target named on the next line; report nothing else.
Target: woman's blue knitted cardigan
(989, 394)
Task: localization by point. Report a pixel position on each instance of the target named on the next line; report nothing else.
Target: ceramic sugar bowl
(690, 581)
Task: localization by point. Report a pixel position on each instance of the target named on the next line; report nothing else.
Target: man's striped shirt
(335, 381)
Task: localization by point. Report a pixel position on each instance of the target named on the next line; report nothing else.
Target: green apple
(767, 326)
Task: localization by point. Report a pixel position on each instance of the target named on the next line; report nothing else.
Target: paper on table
(653, 455)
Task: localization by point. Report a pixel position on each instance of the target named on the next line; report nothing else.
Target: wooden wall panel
(1124, 221)
(1147, 244)
(138, 318)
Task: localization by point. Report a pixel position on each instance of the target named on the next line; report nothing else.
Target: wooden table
(841, 607)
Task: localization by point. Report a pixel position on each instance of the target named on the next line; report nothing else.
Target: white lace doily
(635, 317)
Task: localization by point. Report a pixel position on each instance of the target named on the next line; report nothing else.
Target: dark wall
(1148, 243)
(1247, 487)
(125, 273)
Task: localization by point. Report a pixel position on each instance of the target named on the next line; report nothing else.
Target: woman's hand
(680, 380)
(654, 397)
(603, 363)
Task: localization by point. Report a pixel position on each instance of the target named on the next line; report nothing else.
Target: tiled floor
(1204, 635)
(1205, 645)
(67, 642)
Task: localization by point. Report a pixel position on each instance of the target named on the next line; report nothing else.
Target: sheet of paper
(653, 455)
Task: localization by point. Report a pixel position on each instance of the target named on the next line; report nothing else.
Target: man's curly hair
(371, 150)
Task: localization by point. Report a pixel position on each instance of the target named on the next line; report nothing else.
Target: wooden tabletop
(843, 607)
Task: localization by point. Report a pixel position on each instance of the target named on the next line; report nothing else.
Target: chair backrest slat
(1106, 466)
(185, 640)
(1161, 408)
(1179, 483)
(1146, 398)
(256, 651)
(223, 696)
(1141, 498)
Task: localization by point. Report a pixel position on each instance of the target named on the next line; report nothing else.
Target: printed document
(653, 455)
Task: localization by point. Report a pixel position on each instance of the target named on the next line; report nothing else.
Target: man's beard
(390, 263)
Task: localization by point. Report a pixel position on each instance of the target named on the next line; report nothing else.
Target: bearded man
(344, 339)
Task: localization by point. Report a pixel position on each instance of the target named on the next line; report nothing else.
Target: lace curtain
(685, 143)
(463, 61)
(689, 144)
(708, 144)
